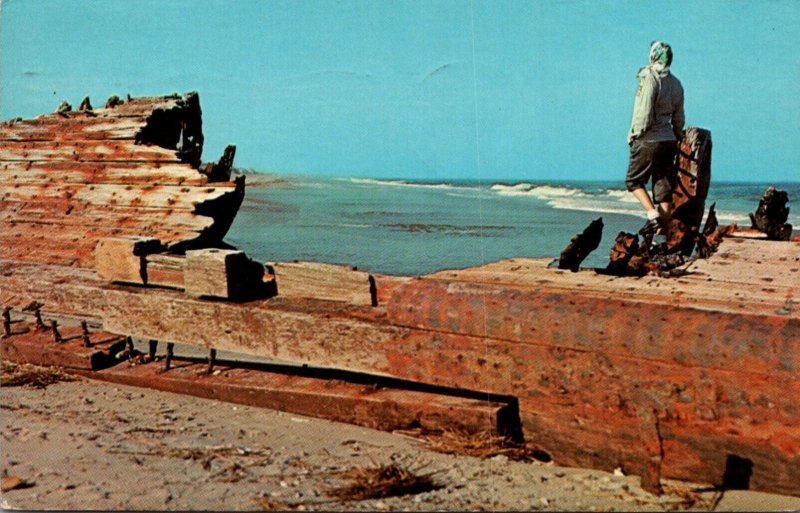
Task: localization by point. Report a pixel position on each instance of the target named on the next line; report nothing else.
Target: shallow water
(413, 228)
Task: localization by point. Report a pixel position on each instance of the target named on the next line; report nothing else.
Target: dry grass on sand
(17, 375)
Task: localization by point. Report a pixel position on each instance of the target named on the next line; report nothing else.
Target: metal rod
(87, 340)
(373, 291)
(153, 349)
(212, 357)
(39, 322)
(56, 335)
(170, 352)
(7, 321)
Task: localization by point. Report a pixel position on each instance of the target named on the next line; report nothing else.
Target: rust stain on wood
(74, 177)
(695, 377)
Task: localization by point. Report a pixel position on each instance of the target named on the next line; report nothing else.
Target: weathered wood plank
(581, 393)
(322, 281)
(757, 284)
(579, 321)
(101, 119)
(165, 270)
(164, 196)
(88, 151)
(55, 245)
(42, 135)
(63, 172)
(140, 105)
(84, 129)
(122, 259)
(220, 273)
(68, 213)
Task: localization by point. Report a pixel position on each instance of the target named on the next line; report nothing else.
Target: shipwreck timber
(696, 377)
(131, 168)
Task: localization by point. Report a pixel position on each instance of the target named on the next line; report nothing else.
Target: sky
(431, 89)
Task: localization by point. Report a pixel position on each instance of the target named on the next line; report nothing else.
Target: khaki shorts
(652, 160)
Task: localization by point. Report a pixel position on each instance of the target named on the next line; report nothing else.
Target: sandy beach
(87, 445)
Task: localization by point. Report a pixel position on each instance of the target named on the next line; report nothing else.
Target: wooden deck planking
(102, 173)
(174, 197)
(69, 179)
(761, 281)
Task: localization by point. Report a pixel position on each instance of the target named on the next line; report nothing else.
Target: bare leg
(644, 198)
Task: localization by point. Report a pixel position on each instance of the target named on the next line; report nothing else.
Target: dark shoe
(650, 227)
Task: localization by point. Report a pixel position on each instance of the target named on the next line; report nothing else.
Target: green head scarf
(660, 54)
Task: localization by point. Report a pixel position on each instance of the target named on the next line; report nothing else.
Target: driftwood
(581, 245)
(623, 260)
(710, 238)
(771, 215)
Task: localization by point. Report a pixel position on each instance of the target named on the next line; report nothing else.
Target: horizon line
(296, 174)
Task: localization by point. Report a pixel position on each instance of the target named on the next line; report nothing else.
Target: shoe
(658, 244)
(650, 227)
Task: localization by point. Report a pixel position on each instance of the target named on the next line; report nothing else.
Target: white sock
(652, 214)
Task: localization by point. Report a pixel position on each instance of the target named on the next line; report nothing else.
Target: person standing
(656, 126)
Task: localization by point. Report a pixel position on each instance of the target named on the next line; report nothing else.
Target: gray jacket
(658, 107)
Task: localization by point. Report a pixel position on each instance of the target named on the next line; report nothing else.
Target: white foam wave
(404, 183)
(595, 206)
(537, 191)
(503, 188)
(621, 195)
(608, 200)
(733, 217)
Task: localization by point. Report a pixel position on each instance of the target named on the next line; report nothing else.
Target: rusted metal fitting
(153, 348)
(212, 357)
(87, 341)
(39, 322)
(56, 335)
(7, 321)
(373, 291)
(170, 354)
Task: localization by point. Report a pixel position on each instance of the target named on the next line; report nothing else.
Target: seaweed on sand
(16, 375)
(391, 480)
(484, 444)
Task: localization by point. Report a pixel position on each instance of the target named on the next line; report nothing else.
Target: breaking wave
(405, 183)
(612, 201)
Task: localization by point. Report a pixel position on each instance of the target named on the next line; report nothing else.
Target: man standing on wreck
(657, 124)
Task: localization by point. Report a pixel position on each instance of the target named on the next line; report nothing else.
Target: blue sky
(495, 90)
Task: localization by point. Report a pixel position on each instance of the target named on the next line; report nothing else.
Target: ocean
(405, 227)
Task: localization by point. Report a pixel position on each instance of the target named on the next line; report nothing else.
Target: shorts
(654, 160)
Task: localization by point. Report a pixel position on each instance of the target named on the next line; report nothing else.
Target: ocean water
(417, 227)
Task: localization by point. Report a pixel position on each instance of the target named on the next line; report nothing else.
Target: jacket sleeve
(644, 105)
(678, 116)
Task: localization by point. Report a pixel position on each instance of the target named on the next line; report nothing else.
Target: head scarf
(660, 55)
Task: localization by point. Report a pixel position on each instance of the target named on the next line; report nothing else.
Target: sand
(91, 445)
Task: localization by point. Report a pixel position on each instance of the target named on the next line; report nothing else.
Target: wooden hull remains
(695, 377)
(132, 168)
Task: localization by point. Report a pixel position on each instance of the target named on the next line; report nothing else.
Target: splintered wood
(70, 178)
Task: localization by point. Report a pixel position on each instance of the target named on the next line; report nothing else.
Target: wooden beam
(323, 281)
